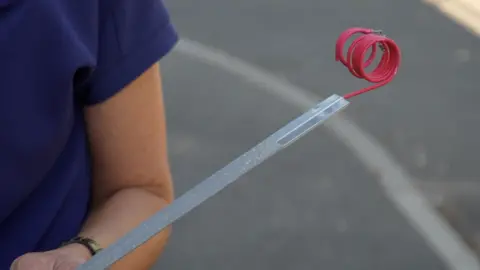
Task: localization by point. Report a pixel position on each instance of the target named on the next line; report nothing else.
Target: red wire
(356, 54)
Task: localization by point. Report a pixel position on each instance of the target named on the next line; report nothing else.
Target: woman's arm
(131, 176)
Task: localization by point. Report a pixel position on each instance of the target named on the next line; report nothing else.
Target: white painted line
(395, 180)
(464, 12)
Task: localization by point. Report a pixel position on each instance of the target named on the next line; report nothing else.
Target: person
(83, 151)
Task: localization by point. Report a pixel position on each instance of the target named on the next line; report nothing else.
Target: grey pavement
(314, 205)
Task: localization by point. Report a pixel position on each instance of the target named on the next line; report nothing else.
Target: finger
(14, 265)
(32, 261)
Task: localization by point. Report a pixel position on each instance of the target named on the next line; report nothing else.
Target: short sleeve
(134, 34)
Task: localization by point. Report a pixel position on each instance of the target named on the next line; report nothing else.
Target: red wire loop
(356, 54)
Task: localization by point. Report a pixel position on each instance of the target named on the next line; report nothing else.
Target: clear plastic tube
(279, 140)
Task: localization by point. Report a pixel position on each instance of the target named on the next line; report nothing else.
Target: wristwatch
(89, 243)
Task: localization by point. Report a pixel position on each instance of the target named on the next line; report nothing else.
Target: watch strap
(89, 243)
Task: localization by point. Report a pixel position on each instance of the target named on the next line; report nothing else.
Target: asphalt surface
(315, 205)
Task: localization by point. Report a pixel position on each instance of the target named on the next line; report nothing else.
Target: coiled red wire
(356, 54)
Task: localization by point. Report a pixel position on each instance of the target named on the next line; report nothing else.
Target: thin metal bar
(217, 182)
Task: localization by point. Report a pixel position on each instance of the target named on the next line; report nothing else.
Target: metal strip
(217, 182)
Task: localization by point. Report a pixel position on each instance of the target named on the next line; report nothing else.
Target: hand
(65, 258)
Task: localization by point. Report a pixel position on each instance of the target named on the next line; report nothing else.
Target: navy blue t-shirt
(56, 57)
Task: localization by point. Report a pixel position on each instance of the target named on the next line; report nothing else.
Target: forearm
(119, 214)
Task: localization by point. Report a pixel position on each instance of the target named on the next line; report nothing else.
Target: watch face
(95, 246)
